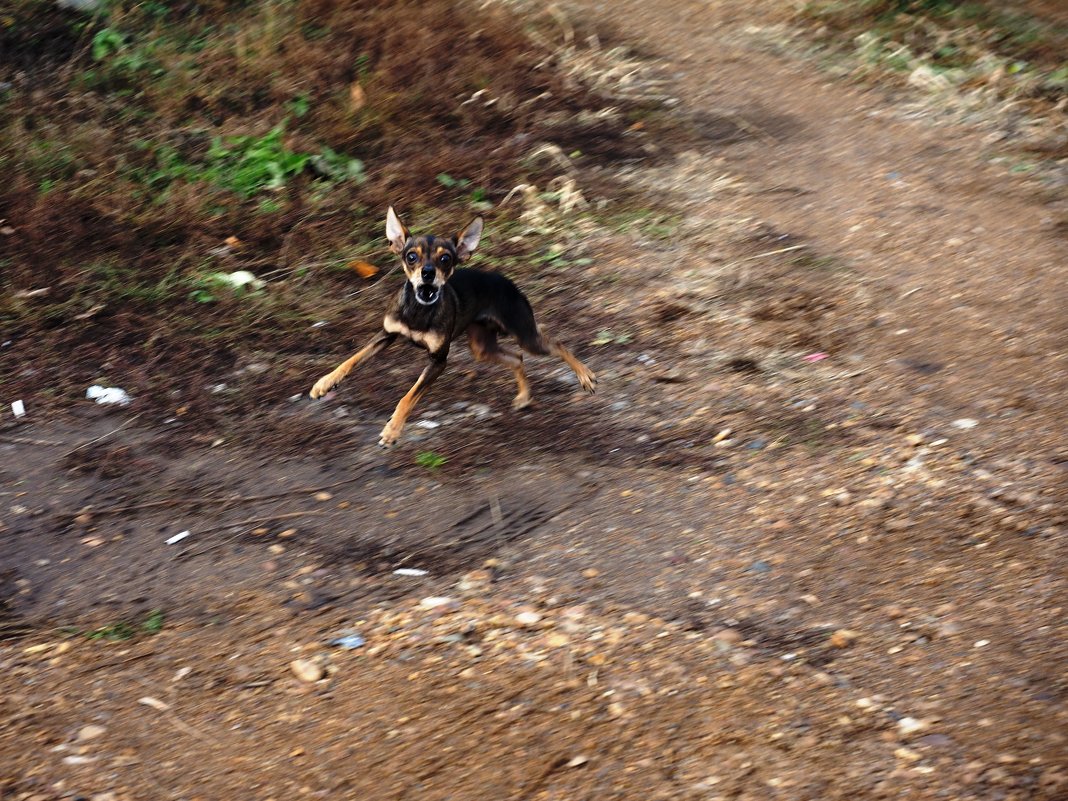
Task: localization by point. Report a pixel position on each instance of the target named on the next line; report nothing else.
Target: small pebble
(323, 496)
(307, 670)
(906, 727)
(437, 602)
(528, 618)
(91, 732)
(843, 638)
(728, 636)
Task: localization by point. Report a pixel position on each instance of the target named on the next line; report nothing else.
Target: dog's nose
(428, 274)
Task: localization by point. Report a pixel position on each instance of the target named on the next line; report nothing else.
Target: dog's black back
(491, 298)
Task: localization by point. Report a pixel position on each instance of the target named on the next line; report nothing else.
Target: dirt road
(807, 542)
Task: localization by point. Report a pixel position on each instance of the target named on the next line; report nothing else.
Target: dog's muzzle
(427, 294)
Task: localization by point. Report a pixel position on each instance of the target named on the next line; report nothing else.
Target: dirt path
(733, 574)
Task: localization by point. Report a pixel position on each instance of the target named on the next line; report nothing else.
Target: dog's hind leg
(485, 348)
(541, 345)
(331, 379)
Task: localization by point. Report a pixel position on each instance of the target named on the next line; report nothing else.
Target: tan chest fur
(431, 340)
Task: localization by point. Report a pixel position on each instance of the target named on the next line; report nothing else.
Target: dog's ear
(396, 233)
(467, 240)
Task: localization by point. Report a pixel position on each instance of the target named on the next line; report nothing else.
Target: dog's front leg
(328, 381)
(396, 423)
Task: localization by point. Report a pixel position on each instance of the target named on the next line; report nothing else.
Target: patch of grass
(246, 165)
(430, 460)
(153, 624)
(113, 632)
(124, 630)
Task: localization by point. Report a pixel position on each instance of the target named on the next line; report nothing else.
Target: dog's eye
(412, 257)
(444, 259)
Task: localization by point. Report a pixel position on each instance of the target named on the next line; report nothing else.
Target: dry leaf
(364, 269)
(357, 97)
(232, 242)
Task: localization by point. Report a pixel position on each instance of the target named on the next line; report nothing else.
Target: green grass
(245, 165)
(430, 460)
(124, 630)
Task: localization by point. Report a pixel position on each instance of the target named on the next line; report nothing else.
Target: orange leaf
(357, 97)
(232, 242)
(364, 269)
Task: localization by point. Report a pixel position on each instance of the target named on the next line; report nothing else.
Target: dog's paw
(521, 402)
(388, 437)
(588, 381)
(322, 386)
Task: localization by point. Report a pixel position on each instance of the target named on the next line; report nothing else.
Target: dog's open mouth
(427, 294)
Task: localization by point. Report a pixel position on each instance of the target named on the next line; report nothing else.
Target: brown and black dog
(438, 303)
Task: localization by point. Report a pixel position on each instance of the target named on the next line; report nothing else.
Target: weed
(113, 632)
(153, 624)
(608, 337)
(122, 629)
(430, 460)
(107, 42)
(247, 165)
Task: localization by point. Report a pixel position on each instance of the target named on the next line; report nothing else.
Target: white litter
(965, 423)
(181, 535)
(240, 279)
(108, 395)
(410, 571)
(18, 408)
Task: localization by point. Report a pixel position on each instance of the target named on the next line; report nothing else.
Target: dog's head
(428, 260)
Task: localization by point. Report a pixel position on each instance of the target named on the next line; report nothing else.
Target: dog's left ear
(467, 240)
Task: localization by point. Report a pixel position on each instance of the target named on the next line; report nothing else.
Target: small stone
(576, 761)
(78, 759)
(728, 636)
(948, 628)
(475, 582)
(591, 572)
(935, 740)
(906, 727)
(915, 440)
(438, 602)
(84, 519)
(557, 640)
(907, 755)
(307, 670)
(289, 532)
(894, 611)
(91, 732)
(722, 435)
(964, 423)
(528, 619)
(843, 638)
(276, 548)
(323, 496)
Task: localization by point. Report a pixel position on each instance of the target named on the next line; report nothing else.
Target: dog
(438, 303)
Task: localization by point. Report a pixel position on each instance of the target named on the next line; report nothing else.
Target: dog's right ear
(396, 233)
